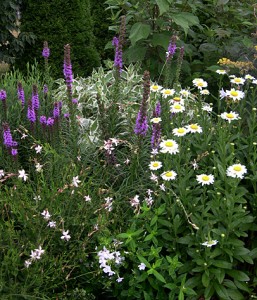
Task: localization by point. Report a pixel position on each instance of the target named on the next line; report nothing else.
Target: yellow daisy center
(167, 92)
(169, 174)
(155, 87)
(177, 106)
(205, 178)
(181, 130)
(155, 164)
(194, 126)
(237, 168)
(237, 80)
(230, 116)
(199, 83)
(169, 144)
(234, 93)
(177, 99)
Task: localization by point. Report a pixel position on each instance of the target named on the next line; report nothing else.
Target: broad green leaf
(146, 296)
(161, 39)
(205, 280)
(222, 264)
(221, 291)
(159, 276)
(238, 275)
(135, 53)
(185, 20)
(235, 294)
(163, 6)
(138, 32)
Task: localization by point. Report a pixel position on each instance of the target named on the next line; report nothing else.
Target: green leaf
(221, 291)
(185, 20)
(163, 6)
(135, 53)
(138, 32)
(161, 39)
(238, 275)
(146, 296)
(205, 280)
(222, 264)
(159, 276)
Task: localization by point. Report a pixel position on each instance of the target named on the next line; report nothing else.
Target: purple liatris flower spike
(56, 110)
(42, 120)
(171, 48)
(7, 136)
(14, 152)
(67, 69)
(50, 121)
(157, 111)
(118, 54)
(20, 93)
(2, 95)
(141, 121)
(31, 115)
(46, 51)
(35, 98)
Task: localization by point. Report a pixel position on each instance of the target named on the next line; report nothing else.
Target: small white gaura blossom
(108, 203)
(135, 202)
(141, 267)
(75, 181)
(65, 235)
(153, 177)
(39, 167)
(87, 198)
(23, 175)
(1, 173)
(51, 224)
(46, 214)
(38, 149)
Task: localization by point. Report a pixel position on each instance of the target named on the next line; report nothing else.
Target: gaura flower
(175, 108)
(23, 175)
(230, 116)
(205, 179)
(236, 171)
(155, 165)
(169, 146)
(168, 175)
(235, 94)
(238, 80)
(207, 107)
(210, 243)
(199, 83)
(142, 266)
(180, 131)
(155, 88)
(222, 72)
(167, 92)
(75, 181)
(194, 128)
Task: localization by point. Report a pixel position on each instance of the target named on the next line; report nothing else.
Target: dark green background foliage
(60, 22)
(10, 46)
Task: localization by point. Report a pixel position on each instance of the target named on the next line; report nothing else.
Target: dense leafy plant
(207, 29)
(12, 46)
(60, 24)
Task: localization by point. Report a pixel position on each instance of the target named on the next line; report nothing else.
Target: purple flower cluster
(118, 54)
(156, 128)
(35, 98)
(20, 93)
(31, 114)
(9, 143)
(67, 69)
(46, 51)
(171, 48)
(3, 95)
(141, 126)
(57, 110)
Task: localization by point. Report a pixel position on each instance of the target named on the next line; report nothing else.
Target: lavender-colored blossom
(46, 51)
(56, 110)
(171, 48)
(141, 126)
(75, 101)
(31, 115)
(35, 98)
(67, 69)
(66, 116)
(7, 136)
(50, 121)
(42, 120)
(3, 95)
(157, 111)
(118, 54)
(14, 152)
(20, 93)
(45, 89)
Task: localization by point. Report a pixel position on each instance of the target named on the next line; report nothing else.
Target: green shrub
(60, 23)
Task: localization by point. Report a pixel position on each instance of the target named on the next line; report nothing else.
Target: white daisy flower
(155, 165)
(167, 92)
(221, 72)
(194, 128)
(168, 175)
(230, 116)
(176, 108)
(180, 131)
(155, 88)
(238, 80)
(177, 99)
(205, 179)
(184, 93)
(248, 76)
(207, 107)
(169, 146)
(200, 83)
(204, 92)
(210, 243)
(156, 120)
(236, 171)
(235, 94)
